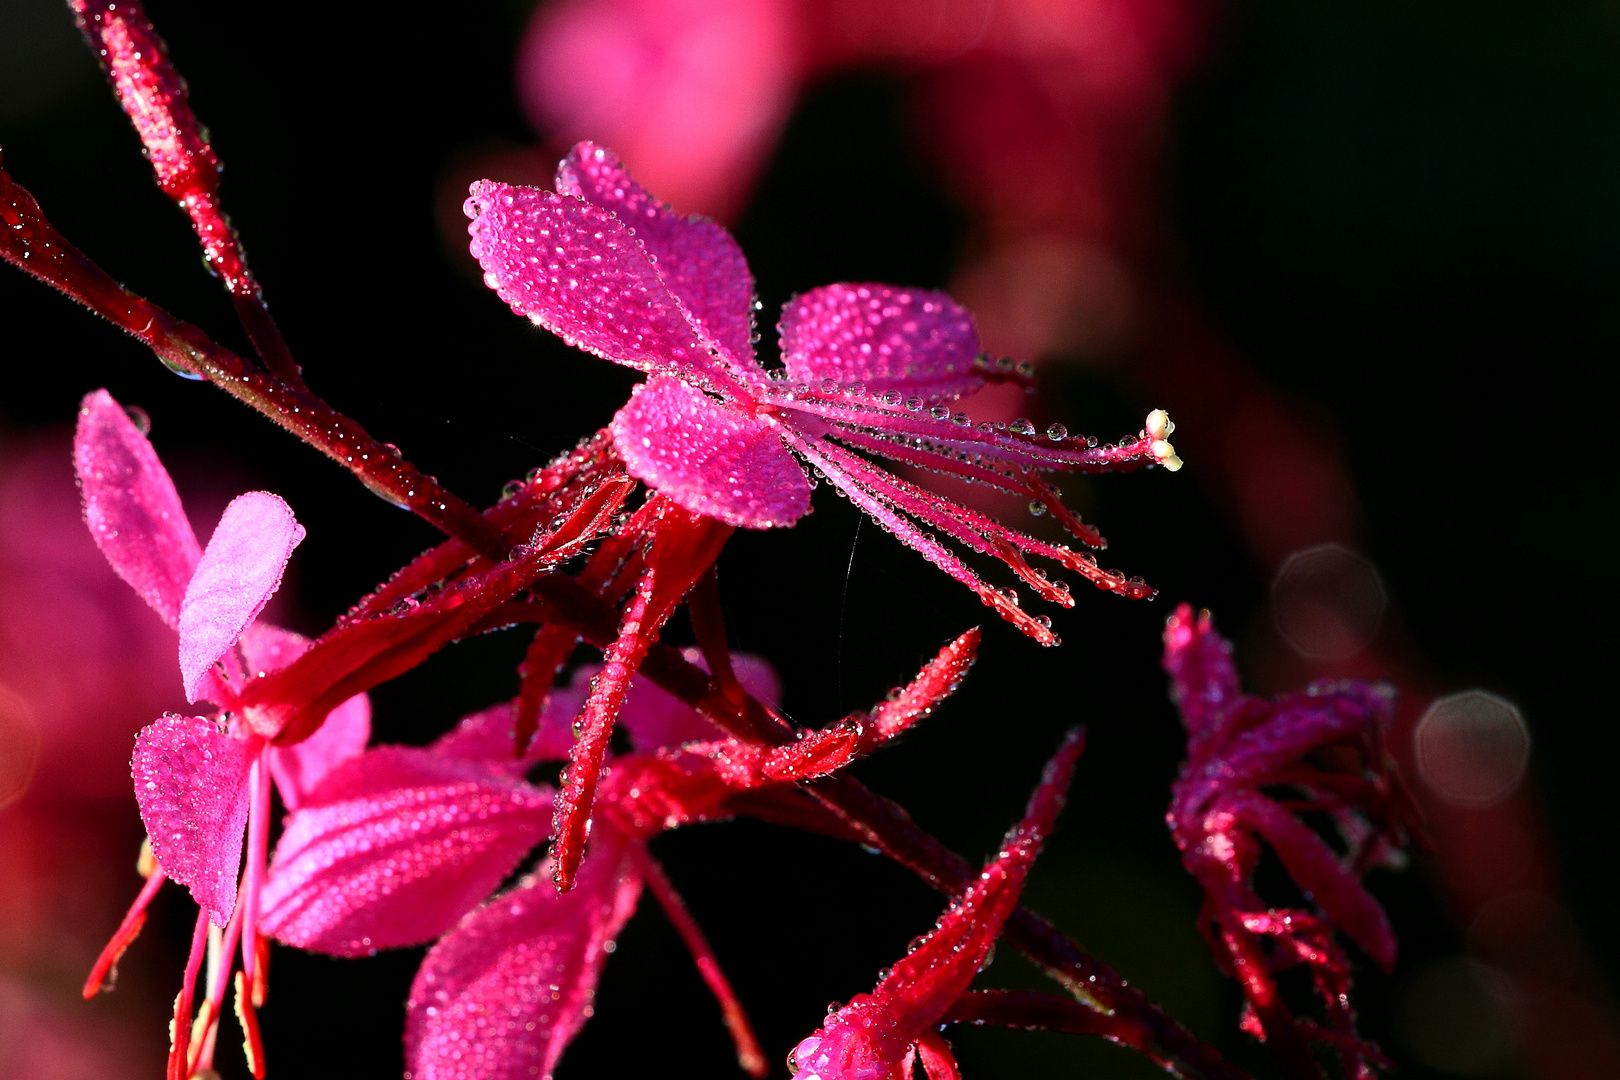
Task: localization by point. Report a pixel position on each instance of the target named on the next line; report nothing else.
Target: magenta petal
(911, 340)
(489, 736)
(711, 458)
(653, 717)
(393, 847)
(698, 260)
(267, 648)
(191, 781)
(131, 506)
(240, 569)
(501, 997)
(297, 769)
(575, 269)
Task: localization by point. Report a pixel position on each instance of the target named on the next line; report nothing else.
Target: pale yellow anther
(146, 862)
(1158, 424)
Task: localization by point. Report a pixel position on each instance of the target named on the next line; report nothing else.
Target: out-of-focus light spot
(1328, 602)
(1459, 1016)
(1472, 748)
(19, 746)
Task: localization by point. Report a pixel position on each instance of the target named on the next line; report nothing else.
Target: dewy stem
(33, 245)
(153, 96)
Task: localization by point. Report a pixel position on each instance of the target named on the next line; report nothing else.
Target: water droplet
(915, 404)
(1036, 507)
(178, 369)
(138, 416)
(1057, 433)
(1021, 426)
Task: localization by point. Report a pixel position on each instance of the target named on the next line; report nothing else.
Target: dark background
(1406, 215)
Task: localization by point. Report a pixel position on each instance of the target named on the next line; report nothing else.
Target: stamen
(252, 1045)
(1005, 604)
(261, 974)
(104, 973)
(749, 1054)
(219, 977)
(258, 849)
(180, 1026)
(146, 863)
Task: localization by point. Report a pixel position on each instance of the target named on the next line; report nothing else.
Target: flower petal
(191, 782)
(654, 717)
(580, 272)
(710, 458)
(298, 768)
(240, 569)
(697, 258)
(501, 997)
(911, 340)
(131, 506)
(267, 648)
(489, 736)
(393, 847)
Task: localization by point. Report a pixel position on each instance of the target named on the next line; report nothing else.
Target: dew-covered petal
(239, 570)
(489, 735)
(654, 717)
(394, 846)
(501, 997)
(131, 506)
(191, 782)
(711, 458)
(298, 768)
(697, 258)
(574, 268)
(912, 340)
(267, 648)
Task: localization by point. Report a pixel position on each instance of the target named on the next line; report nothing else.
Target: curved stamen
(947, 433)
(984, 534)
(1006, 605)
(102, 974)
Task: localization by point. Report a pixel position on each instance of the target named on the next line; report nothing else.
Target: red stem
(29, 242)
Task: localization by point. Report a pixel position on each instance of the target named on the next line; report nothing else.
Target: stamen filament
(749, 1054)
(103, 972)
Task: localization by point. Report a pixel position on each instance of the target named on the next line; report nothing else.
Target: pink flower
(870, 367)
(294, 709)
(202, 784)
(1326, 747)
(878, 1036)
